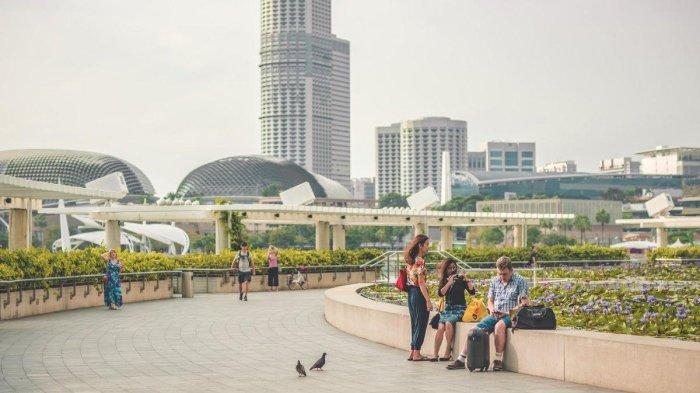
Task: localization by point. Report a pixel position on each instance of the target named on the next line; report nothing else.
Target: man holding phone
(507, 294)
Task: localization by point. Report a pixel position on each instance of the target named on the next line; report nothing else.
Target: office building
(305, 88)
(510, 156)
(558, 167)
(476, 160)
(585, 207)
(623, 165)
(664, 160)
(363, 188)
(409, 154)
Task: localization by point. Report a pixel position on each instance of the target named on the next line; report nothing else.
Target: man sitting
(507, 294)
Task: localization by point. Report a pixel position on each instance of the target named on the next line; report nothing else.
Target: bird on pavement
(300, 369)
(319, 363)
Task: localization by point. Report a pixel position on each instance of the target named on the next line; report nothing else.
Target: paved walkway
(216, 343)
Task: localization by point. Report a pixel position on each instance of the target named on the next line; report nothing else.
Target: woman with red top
(419, 305)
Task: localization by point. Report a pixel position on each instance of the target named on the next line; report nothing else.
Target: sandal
(435, 359)
(445, 359)
(421, 359)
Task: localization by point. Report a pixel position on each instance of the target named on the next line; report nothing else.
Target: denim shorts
(489, 323)
(244, 277)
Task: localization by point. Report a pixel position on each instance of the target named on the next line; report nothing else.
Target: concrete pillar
(446, 238)
(338, 237)
(187, 285)
(419, 229)
(517, 236)
(221, 235)
(20, 235)
(662, 237)
(524, 231)
(112, 235)
(322, 235)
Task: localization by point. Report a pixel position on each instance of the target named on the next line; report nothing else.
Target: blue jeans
(489, 323)
(419, 316)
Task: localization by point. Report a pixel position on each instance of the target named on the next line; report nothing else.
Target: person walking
(112, 282)
(273, 273)
(452, 286)
(419, 304)
(244, 262)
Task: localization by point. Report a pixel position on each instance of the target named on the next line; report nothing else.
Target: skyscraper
(409, 154)
(305, 87)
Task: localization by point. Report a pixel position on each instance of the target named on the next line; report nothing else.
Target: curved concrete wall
(614, 361)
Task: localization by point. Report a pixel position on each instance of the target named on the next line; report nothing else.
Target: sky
(170, 85)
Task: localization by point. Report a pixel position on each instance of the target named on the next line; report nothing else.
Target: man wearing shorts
(507, 294)
(246, 269)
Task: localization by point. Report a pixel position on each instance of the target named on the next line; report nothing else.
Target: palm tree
(602, 218)
(583, 224)
(547, 225)
(566, 224)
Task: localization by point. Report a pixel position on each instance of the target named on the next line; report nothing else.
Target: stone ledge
(614, 361)
(59, 299)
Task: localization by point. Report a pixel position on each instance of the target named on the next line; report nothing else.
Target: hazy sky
(170, 85)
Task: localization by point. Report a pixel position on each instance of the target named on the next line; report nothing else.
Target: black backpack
(535, 318)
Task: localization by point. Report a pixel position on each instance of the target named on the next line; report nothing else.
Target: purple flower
(568, 285)
(550, 298)
(651, 299)
(696, 300)
(681, 312)
(648, 316)
(638, 298)
(617, 308)
(588, 309)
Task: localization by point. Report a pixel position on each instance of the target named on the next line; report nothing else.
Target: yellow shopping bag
(475, 312)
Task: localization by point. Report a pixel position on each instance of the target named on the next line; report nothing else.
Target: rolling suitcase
(478, 350)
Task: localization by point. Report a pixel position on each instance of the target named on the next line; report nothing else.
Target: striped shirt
(507, 296)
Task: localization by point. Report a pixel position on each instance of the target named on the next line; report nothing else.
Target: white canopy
(97, 238)
(16, 187)
(638, 244)
(167, 234)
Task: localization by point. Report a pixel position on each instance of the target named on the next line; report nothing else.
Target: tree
(462, 204)
(206, 243)
(602, 217)
(393, 199)
(235, 229)
(172, 195)
(271, 190)
(566, 224)
(547, 225)
(533, 236)
(487, 209)
(614, 194)
(491, 236)
(582, 223)
(554, 239)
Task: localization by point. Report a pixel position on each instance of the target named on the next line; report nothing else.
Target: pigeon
(319, 363)
(300, 369)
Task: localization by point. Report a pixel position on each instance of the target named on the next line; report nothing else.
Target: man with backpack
(244, 263)
(507, 294)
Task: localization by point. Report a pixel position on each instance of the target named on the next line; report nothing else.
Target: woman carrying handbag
(419, 305)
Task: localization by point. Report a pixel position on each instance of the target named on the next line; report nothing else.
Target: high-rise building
(567, 166)
(623, 165)
(510, 156)
(664, 160)
(409, 154)
(388, 159)
(305, 87)
(476, 160)
(363, 188)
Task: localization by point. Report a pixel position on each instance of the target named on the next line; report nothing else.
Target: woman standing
(452, 287)
(273, 273)
(419, 305)
(113, 285)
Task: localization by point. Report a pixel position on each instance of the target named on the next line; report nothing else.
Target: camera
(459, 277)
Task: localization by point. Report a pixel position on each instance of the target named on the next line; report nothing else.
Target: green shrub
(687, 252)
(33, 263)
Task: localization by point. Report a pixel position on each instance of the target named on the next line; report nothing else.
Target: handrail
(460, 262)
(374, 260)
(86, 276)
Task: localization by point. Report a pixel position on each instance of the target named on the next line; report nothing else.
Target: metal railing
(90, 281)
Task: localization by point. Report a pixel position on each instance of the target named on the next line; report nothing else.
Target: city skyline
(179, 85)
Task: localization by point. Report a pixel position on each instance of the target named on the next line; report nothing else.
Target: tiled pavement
(216, 343)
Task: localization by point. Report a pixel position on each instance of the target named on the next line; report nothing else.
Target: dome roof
(250, 175)
(71, 168)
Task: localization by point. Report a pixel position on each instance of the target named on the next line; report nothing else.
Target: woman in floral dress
(113, 285)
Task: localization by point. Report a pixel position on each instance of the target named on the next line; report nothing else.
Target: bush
(688, 252)
(34, 263)
(545, 253)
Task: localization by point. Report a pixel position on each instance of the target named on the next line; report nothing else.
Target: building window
(526, 154)
(511, 158)
(496, 153)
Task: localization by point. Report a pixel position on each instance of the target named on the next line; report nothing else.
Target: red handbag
(401, 284)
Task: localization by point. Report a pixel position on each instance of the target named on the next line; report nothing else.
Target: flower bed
(658, 310)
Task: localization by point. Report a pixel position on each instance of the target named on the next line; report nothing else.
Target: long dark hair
(442, 270)
(411, 251)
